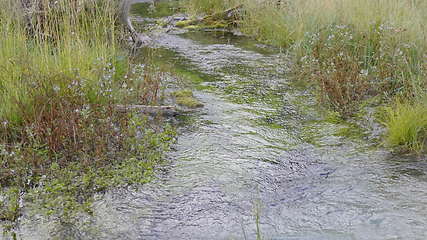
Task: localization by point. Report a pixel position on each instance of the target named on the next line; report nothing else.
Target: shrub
(351, 65)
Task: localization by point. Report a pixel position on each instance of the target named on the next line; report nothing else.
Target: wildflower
(56, 88)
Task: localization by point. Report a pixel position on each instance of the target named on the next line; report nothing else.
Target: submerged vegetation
(351, 51)
(62, 72)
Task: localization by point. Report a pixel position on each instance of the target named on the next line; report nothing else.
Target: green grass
(407, 126)
(207, 6)
(292, 20)
(60, 55)
(61, 139)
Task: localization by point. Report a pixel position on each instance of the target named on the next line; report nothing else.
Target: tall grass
(62, 71)
(207, 6)
(300, 17)
(275, 20)
(71, 47)
(407, 126)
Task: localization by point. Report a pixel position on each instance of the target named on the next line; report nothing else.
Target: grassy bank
(62, 71)
(351, 50)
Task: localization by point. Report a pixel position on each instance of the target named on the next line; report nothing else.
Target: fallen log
(138, 39)
(229, 14)
(152, 110)
(224, 18)
(36, 16)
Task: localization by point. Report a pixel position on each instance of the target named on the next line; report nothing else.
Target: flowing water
(259, 160)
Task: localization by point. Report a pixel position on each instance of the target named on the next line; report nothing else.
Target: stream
(258, 161)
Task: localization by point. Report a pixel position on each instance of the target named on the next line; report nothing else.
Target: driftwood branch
(152, 110)
(231, 13)
(230, 16)
(138, 39)
(126, 5)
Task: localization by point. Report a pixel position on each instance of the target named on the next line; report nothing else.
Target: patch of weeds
(189, 102)
(9, 204)
(186, 98)
(333, 117)
(184, 23)
(65, 190)
(206, 6)
(183, 93)
(351, 65)
(61, 138)
(406, 125)
(155, 10)
(197, 25)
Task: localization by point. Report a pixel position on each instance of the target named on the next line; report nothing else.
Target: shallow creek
(259, 159)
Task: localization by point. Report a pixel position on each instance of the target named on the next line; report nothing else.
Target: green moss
(193, 27)
(182, 93)
(9, 204)
(206, 23)
(186, 98)
(270, 124)
(185, 23)
(351, 131)
(210, 25)
(190, 102)
(310, 133)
